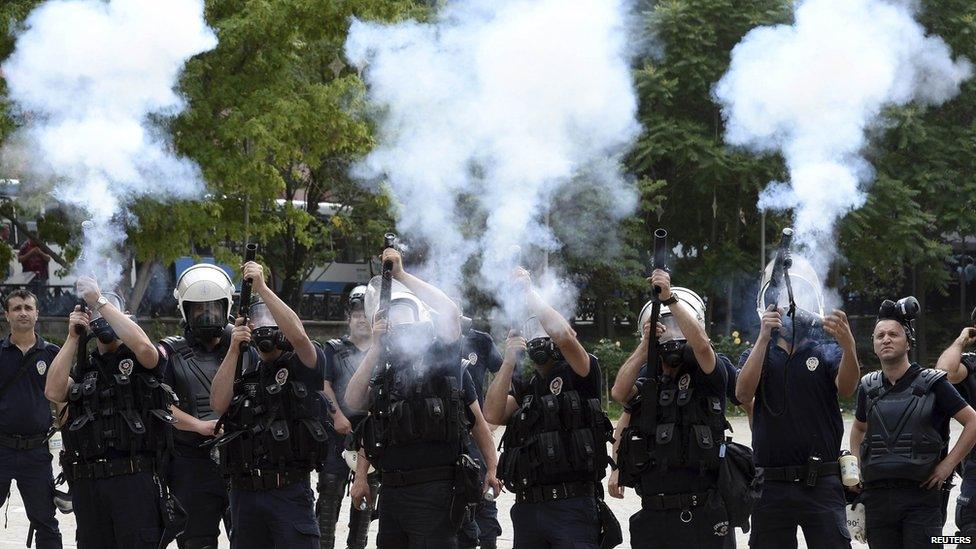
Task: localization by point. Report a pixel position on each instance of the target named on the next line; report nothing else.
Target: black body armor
(901, 442)
(116, 404)
(671, 427)
(551, 439)
(407, 413)
(273, 424)
(193, 375)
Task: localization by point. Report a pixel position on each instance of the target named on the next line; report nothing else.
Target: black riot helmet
(904, 311)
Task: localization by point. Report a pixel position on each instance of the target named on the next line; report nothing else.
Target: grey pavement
(16, 532)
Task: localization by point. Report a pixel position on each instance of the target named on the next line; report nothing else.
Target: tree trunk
(143, 276)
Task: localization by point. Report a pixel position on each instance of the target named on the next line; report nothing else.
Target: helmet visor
(261, 316)
(672, 331)
(112, 298)
(205, 314)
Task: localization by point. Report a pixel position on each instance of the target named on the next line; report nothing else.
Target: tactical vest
(671, 427)
(901, 442)
(551, 437)
(116, 406)
(411, 412)
(273, 423)
(192, 378)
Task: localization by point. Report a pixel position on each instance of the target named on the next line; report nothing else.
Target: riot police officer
(25, 417)
(556, 432)
(342, 358)
(901, 430)
(420, 407)
(204, 293)
(670, 448)
(274, 428)
(796, 378)
(118, 424)
(961, 366)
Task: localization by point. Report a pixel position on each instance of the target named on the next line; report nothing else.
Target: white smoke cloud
(810, 91)
(88, 74)
(499, 106)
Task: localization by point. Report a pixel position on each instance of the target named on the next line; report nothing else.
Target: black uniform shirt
(722, 362)
(313, 378)
(948, 402)
(715, 384)
(24, 410)
(482, 356)
(442, 360)
(557, 378)
(798, 417)
(339, 372)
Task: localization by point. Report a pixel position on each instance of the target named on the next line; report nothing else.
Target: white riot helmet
(205, 294)
(410, 323)
(672, 331)
(806, 293)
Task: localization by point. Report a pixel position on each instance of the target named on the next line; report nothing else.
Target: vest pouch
(401, 423)
(506, 465)
(702, 448)
(583, 450)
(594, 415)
(684, 396)
(551, 419)
(299, 401)
(572, 411)
(667, 409)
(666, 397)
(433, 420)
(633, 455)
(667, 445)
(551, 453)
(526, 418)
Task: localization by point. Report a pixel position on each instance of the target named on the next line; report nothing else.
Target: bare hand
(359, 492)
(254, 271)
(942, 472)
(78, 318)
(341, 424)
(514, 345)
(967, 337)
(87, 288)
(661, 279)
(207, 428)
(491, 481)
(771, 319)
(522, 277)
(392, 254)
(380, 327)
(613, 486)
(646, 331)
(241, 334)
(839, 328)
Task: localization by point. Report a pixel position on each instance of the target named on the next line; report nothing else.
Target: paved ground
(16, 532)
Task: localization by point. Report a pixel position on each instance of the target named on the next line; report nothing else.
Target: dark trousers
(572, 523)
(818, 511)
(117, 512)
(705, 526)
(904, 517)
(35, 482)
(282, 518)
(197, 484)
(417, 516)
(483, 529)
(966, 508)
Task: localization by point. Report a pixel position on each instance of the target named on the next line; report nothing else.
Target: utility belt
(807, 474)
(260, 480)
(105, 468)
(21, 442)
(550, 492)
(669, 502)
(418, 476)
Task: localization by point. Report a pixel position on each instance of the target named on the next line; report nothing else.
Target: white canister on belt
(54, 443)
(850, 475)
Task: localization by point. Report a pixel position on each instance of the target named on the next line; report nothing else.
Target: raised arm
(222, 388)
(849, 371)
(951, 359)
(357, 390)
(624, 385)
(693, 330)
(555, 325)
(127, 331)
(499, 404)
(751, 372)
(286, 319)
(58, 377)
(447, 321)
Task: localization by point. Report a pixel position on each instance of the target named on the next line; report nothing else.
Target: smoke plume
(88, 75)
(810, 91)
(489, 114)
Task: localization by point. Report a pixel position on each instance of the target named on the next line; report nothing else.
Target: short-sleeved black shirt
(801, 417)
(561, 377)
(297, 371)
(479, 350)
(948, 401)
(24, 410)
(731, 375)
(339, 372)
(441, 360)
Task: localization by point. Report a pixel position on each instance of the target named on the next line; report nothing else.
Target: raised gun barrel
(781, 263)
(386, 287)
(658, 261)
(244, 310)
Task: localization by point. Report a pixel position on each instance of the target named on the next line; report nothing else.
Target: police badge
(125, 366)
(282, 376)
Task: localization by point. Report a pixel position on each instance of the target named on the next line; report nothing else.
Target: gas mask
(266, 335)
(411, 331)
(100, 326)
(205, 320)
(673, 344)
(904, 311)
(539, 346)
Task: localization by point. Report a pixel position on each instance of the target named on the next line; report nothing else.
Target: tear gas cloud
(88, 75)
(811, 90)
(491, 112)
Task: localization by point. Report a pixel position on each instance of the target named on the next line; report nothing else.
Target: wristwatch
(101, 302)
(670, 301)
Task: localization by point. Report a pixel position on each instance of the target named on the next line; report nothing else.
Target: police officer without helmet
(274, 432)
(797, 424)
(25, 417)
(342, 358)
(961, 366)
(673, 428)
(420, 406)
(901, 432)
(204, 294)
(117, 426)
(481, 356)
(554, 455)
